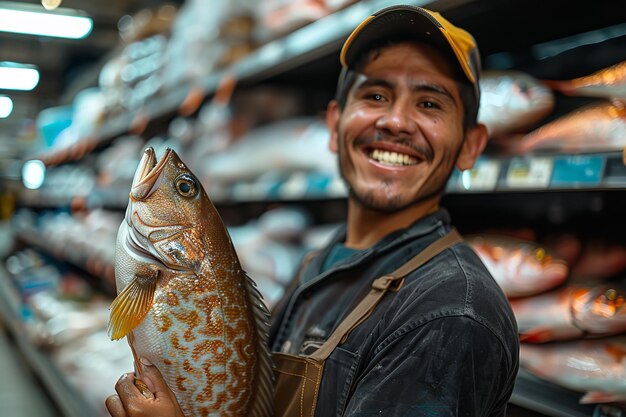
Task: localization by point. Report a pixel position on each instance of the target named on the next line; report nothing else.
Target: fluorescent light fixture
(552, 48)
(14, 76)
(6, 106)
(33, 174)
(33, 20)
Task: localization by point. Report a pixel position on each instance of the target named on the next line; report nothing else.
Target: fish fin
(538, 335)
(262, 402)
(138, 381)
(131, 306)
(595, 397)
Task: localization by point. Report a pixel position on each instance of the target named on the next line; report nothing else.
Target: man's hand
(130, 402)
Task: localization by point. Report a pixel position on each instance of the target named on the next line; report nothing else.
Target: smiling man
(396, 316)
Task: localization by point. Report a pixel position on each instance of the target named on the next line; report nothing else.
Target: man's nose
(397, 120)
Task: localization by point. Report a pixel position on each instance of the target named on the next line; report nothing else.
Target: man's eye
(428, 105)
(376, 97)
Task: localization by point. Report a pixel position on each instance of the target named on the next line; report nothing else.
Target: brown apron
(298, 378)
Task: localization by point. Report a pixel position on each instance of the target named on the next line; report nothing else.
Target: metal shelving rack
(69, 400)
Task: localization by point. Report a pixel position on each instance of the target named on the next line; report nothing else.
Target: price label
(483, 177)
(576, 171)
(529, 172)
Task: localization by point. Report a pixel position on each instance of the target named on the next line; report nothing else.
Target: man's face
(401, 129)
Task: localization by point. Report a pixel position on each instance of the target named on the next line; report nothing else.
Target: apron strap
(380, 286)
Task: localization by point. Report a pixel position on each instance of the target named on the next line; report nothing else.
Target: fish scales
(202, 321)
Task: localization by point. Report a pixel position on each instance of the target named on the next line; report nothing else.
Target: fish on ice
(607, 83)
(520, 267)
(598, 127)
(184, 302)
(512, 101)
(573, 312)
(595, 367)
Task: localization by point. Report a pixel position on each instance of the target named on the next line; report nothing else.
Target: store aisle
(21, 394)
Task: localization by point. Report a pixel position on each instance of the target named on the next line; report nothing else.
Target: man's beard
(395, 203)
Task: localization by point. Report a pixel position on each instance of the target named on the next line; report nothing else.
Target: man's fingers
(126, 388)
(155, 381)
(115, 406)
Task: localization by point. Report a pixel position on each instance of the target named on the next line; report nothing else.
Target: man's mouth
(392, 158)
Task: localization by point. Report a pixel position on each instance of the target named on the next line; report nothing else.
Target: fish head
(511, 100)
(599, 310)
(169, 215)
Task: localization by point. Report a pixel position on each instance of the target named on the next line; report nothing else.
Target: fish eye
(523, 87)
(186, 186)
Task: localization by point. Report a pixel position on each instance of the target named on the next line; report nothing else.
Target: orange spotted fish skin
(183, 299)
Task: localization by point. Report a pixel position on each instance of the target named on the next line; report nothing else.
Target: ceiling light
(33, 174)
(32, 20)
(6, 106)
(15, 76)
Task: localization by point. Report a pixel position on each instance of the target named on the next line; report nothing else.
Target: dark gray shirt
(445, 344)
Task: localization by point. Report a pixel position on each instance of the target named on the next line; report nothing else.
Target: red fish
(520, 267)
(594, 367)
(571, 313)
(608, 83)
(594, 128)
(511, 101)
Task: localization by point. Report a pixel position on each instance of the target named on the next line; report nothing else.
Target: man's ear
(473, 145)
(332, 120)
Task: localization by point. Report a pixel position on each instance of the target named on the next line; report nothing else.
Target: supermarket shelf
(552, 172)
(491, 175)
(70, 402)
(100, 197)
(551, 400)
(118, 199)
(93, 266)
(298, 48)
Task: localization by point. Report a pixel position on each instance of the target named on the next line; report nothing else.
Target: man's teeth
(392, 158)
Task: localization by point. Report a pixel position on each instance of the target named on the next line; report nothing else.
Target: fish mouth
(149, 174)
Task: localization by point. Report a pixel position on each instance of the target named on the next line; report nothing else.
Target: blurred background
(239, 88)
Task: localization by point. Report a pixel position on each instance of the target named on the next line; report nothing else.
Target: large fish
(595, 367)
(511, 101)
(594, 128)
(184, 302)
(607, 83)
(520, 267)
(571, 313)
